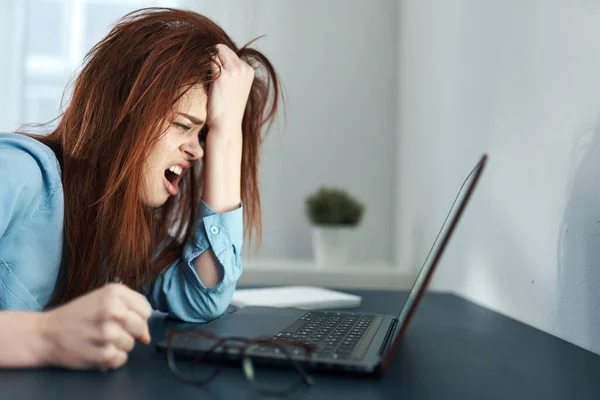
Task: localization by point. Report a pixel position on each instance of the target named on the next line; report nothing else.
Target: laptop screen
(440, 243)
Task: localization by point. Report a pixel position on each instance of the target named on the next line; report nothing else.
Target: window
(57, 35)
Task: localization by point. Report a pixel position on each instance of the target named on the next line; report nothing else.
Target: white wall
(336, 59)
(520, 80)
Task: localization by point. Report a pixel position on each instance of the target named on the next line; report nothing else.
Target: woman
(142, 182)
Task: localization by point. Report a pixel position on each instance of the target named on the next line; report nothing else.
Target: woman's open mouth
(172, 178)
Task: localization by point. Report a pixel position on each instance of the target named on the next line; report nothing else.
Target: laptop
(352, 342)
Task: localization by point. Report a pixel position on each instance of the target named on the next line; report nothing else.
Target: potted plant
(334, 215)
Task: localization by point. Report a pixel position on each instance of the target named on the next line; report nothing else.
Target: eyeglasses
(192, 354)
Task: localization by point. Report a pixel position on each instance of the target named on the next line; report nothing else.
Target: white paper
(303, 297)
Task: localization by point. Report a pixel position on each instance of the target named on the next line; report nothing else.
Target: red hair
(121, 101)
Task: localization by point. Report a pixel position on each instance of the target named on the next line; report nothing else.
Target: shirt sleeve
(22, 187)
(23, 191)
(180, 292)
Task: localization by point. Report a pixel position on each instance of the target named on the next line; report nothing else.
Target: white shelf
(304, 272)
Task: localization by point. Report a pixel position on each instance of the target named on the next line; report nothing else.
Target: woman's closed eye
(182, 126)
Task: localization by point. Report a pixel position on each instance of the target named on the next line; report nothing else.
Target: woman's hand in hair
(227, 100)
(228, 94)
(97, 330)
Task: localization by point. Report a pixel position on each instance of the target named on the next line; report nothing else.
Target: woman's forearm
(222, 192)
(222, 163)
(22, 342)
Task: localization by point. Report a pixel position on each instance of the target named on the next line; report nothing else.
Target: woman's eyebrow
(193, 119)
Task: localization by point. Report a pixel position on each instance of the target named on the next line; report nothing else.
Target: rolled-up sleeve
(180, 292)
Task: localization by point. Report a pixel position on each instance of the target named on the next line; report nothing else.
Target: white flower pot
(332, 245)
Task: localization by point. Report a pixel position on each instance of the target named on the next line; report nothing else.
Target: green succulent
(333, 206)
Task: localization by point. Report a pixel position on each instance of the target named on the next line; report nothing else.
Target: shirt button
(214, 230)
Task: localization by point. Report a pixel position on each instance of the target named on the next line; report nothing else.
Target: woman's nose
(193, 149)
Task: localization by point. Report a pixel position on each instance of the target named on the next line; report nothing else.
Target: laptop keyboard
(335, 334)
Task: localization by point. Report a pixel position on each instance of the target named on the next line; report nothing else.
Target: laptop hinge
(389, 337)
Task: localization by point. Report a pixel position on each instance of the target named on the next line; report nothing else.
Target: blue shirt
(31, 241)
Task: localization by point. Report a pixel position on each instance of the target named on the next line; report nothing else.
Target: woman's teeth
(176, 169)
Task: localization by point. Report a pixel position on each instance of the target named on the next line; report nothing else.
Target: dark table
(453, 349)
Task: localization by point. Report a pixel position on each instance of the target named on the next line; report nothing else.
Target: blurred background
(393, 102)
